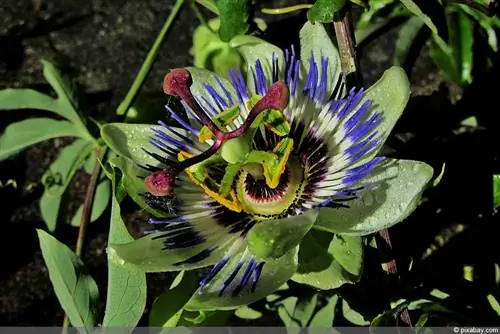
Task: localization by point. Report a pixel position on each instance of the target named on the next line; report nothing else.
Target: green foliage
(327, 261)
(126, 294)
(233, 18)
(323, 11)
(74, 287)
(454, 29)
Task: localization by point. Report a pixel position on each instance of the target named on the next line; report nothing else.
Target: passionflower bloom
(261, 163)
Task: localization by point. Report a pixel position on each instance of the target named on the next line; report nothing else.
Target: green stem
(148, 63)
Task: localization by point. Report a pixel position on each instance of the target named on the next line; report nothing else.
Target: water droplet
(379, 197)
(392, 171)
(416, 168)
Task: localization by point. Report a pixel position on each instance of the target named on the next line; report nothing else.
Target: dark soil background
(102, 44)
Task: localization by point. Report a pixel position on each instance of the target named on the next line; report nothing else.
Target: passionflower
(261, 165)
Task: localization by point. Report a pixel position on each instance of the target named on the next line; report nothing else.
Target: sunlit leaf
(74, 287)
(352, 315)
(496, 190)
(126, 292)
(325, 316)
(248, 313)
(20, 135)
(318, 266)
(57, 178)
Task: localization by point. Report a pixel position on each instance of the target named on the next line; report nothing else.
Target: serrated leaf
(233, 18)
(323, 11)
(20, 135)
(74, 287)
(99, 203)
(57, 178)
(126, 296)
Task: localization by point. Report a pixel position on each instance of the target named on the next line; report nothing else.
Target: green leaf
(65, 90)
(496, 191)
(461, 40)
(20, 135)
(323, 11)
(233, 18)
(352, 315)
(319, 268)
(443, 57)
(304, 309)
(314, 39)
(213, 54)
(225, 59)
(274, 274)
(348, 252)
(248, 313)
(488, 23)
(28, 99)
(74, 287)
(271, 239)
(325, 316)
(57, 178)
(396, 192)
(126, 296)
(406, 38)
(210, 5)
(99, 203)
(129, 140)
(168, 308)
(285, 312)
(415, 9)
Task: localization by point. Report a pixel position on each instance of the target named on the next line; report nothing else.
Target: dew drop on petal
(416, 168)
(392, 171)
